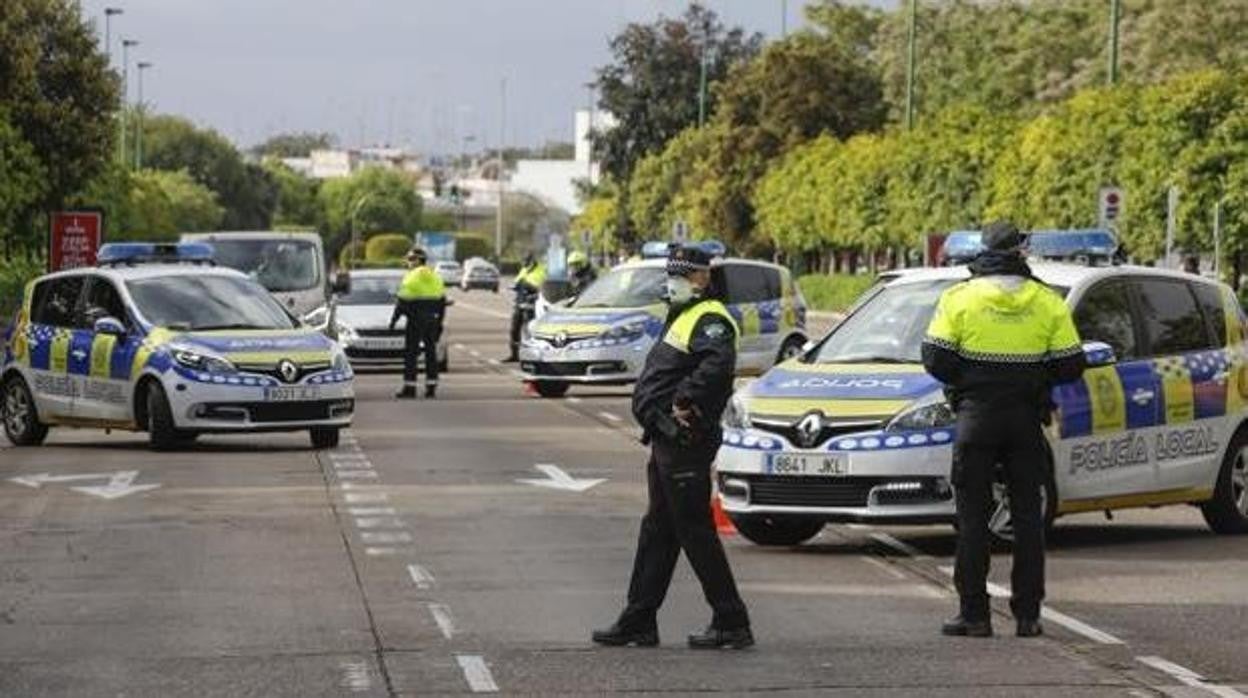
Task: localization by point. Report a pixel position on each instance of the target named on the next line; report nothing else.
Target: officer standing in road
(527, 287)
(1000, 342)
(422, 301)
(580, 272)
(678, 400)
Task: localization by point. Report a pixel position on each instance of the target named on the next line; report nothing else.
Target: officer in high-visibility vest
(678, 400)
(580, 272)
(1000, 342)
(421, 299)
(527, 287)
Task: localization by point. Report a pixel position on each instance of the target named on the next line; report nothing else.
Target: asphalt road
(415, 560)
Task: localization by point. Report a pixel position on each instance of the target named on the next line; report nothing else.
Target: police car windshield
(371, 290)
(206, 303)
(886, 328)
(627, 287)
(279, 265)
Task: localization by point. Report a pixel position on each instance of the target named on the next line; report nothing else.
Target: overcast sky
(425, 74)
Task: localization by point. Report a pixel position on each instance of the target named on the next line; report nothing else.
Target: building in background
(554, 181)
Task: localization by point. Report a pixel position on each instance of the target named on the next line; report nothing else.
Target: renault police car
(159, 339)
(855, 430)
(602, 337)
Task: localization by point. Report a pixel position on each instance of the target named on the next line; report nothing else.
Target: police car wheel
(162, 434)
(1227, 512)
(552, 389)
(776, 530)
(21, 419)
(324, 437)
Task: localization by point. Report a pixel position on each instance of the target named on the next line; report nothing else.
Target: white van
(290, 265)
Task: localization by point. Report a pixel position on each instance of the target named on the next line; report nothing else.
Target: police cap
(1002, 236)
(683, 260)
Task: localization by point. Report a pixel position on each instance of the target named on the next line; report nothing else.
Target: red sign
(75, 239)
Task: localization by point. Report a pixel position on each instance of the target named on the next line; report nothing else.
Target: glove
(667, 427)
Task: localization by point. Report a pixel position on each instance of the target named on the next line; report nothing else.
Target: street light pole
(126, 45)
(910, 62)
(502, 144)
(702, 79)
(589, 141)
(108, 31)
(142, 111)
(1115, 17)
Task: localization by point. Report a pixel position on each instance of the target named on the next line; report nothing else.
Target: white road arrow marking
(556, 479)
(120, 483)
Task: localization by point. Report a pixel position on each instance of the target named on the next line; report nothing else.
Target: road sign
(680, 231)
(74, 239)
(1110, 201)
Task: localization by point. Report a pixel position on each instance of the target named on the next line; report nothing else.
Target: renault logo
(561, 339)
(288, 370)
(809, 429)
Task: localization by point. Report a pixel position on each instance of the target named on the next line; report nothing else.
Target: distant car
(1093, 246)
(361, 321)
(450, 272)
(479, 274)
(960, 247)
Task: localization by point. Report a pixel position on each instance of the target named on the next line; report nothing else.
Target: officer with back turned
(421, 300)
(678, 400)
(1000, 342)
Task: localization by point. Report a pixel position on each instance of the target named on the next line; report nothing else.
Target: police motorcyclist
(678, 400)
(421, 299)
(580, 272)
(999, 342)
(527, 287)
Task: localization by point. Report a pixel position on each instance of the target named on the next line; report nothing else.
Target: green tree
(21, 179)
(372, 200)
(294, 145)
(297, 202)
(60, 97)
(164, 204)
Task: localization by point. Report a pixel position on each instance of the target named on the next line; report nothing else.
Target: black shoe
(1029, 627)
(961, 627)
(407, 392)
(713, 638)
(512, 360)
(431, 391)
(615, 636)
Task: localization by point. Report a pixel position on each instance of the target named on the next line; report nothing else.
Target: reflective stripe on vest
(421, 283)
(681, 331)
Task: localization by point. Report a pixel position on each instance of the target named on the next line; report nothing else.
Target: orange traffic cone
(530, 388)
(723, 524)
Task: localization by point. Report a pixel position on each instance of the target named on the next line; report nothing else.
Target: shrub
(386, 246)
(468, 246)
(835, 292)
(14, 274)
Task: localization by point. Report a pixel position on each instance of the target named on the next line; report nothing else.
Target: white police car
(855, 430)
(158, 339)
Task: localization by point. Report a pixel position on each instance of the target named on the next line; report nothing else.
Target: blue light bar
(654, 249)
(657, 249)
(155, 253)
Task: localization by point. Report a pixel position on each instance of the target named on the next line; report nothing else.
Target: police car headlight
(340, 362)
(631, 331)
(931, 414)
(203, 362)
(737, 416)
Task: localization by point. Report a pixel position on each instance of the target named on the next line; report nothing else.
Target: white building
(554, 181)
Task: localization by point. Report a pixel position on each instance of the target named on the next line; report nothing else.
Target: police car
(158, 339)
(855, 430)
(603, 336)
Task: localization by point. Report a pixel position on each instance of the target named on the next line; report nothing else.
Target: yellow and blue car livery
(589, 342)
(1156, 420)
(227, 380)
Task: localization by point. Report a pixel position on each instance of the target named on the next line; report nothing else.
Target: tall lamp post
(910, 62)
(142, 111)
(1115, 17)
(126, 45)
(109, 12)
(502, 145)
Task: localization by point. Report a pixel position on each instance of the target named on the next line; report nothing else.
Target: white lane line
(380, 552)
(1188, 677)
(356, 485)
(459, 346)
(475, 353)
(365, 497)
(442, 616)
(353, 465)
(495, 362)
(355, 677)
(610, 417)
(477, 673)
(1074, 625)
(357, 474)
(359, 455)
(901, 547)
(385, 537)
(379, 522)
(574, 400)
(884, 567)
(371, 511)
(421, 577)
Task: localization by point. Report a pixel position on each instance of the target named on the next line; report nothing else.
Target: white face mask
(680, 290)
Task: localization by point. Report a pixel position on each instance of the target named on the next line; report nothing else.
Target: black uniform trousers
(421, 334)
(679, 518)
(518, 318)
(1011, 438)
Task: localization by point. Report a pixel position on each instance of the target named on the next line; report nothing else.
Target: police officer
(999, 342)
(678, 400)
(580, 272)
(422, 301)
(527, 287)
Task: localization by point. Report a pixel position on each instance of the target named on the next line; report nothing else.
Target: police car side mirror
(341, 284)
(1099, 354)
(109, 326)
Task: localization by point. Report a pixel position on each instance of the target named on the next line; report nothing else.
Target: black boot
(962, 627)
(713, 638)
(1029, 627)
(431, 391)
(616, 636)
(512, 359)
(407, 392)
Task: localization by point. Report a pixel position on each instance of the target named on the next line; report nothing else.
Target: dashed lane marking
(421, 577)
(884, 567)
(1188, 677)
(495, 362)
(365, 497)
(385, 537)
(355, 677)
(371, 511)
(477, 673)
(459, 347)
(356, 474)
(901, 547)
(574, 400)
(379, 522)
(611, 417)
(381, 552)
(442, 616)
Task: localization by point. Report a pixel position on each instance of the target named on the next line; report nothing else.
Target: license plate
(387, 344)
(291, 393)
(802, 464)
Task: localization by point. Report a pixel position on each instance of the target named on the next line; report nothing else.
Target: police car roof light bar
(132, 253)
(657, 249)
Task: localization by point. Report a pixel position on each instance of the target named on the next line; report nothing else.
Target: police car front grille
(573, 368)
(829, 431)
(276, 412)
(270, 369)
(802, 491)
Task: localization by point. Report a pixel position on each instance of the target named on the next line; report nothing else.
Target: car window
(1210, 298)
(207, 303)
(1173, 323)
(747, 283)
(56, 301)
(102, 300)
(1104, 315)
(887, 326)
